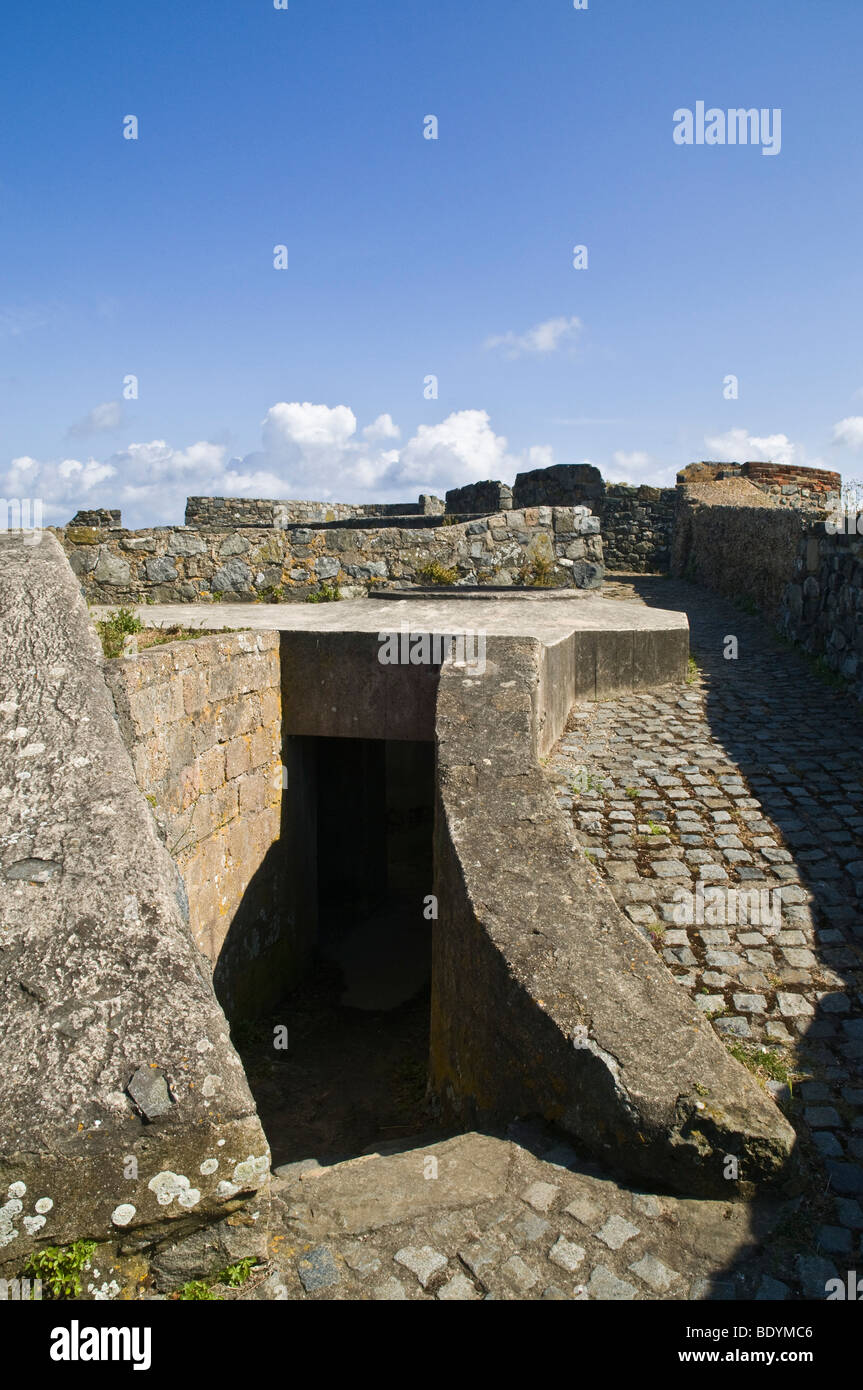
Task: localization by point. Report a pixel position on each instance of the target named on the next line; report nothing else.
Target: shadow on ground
(797, 739)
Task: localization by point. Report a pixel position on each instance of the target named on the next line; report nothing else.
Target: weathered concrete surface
(99, 977)
(531, 613)
(597, 1035)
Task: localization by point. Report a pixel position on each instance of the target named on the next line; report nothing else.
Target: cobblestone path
(519, 1216)
(748, 780)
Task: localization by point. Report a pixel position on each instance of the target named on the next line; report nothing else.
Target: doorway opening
(355, 1069)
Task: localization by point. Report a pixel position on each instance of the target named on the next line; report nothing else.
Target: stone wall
(227, 513)
(562, 485)
(180, 564)
(806, 489)
(744, 551)
(479, 497)
(202, 720)
(637, 526)
(638, 523)
(822, 606)
(102, 516)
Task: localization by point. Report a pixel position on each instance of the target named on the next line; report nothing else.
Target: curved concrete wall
(545, 998)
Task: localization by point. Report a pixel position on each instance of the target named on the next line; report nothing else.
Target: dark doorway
(375, 813)
(354, 1072)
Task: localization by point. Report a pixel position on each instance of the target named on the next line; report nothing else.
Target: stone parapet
(559, 546)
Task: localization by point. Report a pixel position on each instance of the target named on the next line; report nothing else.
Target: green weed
(327, 593)
(116, 628)
(436, 573)
(59, 1267)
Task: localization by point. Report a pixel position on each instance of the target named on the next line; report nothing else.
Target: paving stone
(520, 1273)
(709, 1003)
(566, 1254)
(654, 1273)
(616, 1232)
(736, 1027)
(362, 1261)
(794, 1005)
(750, 1003)
(846, 1178)
(814, 1274)
(799, 958)
(541, 1196)
(822, 1117)
(458, 1289)
(586, 1211)
(670, 868)
(835, 1239)
(481, 1256)
(606, 1285)
(645, 1204)
(529, 1229)
(317, 1269)
(391, 1291)
(849, 1213)
(422, 1261)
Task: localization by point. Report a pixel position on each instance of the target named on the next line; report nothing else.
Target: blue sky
(410, 257)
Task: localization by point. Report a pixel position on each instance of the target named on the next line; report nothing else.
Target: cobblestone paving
(516, 1217)
(748, 779)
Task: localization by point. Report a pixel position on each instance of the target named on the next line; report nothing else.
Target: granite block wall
(202, 721)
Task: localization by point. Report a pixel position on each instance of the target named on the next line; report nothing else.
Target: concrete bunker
(599, 1038)
(102, 978)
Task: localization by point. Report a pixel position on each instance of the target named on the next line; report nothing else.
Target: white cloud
(296, 427)
(308, 451)
(381, 428)
(540, 340)
(103, 418)
(739, 446)
(849, 432)
(462, 448)
(638, 467)
(64, 484)
(537, 456)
